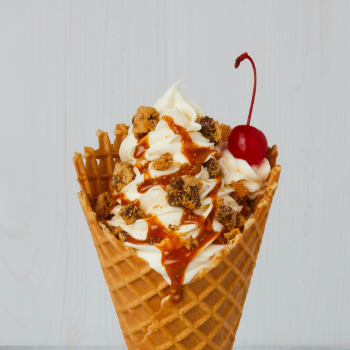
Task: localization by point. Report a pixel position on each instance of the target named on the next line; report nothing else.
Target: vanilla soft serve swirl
(154, 201)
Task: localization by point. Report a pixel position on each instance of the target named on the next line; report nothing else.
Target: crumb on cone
(104, 205)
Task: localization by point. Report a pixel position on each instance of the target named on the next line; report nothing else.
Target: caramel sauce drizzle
(117, 196)
(220, 240)
(175, 256)
(215, 189)
(143, 167)
(177, 260)
(195, 155)
(156, 231)
(189, 217)
(141, 148)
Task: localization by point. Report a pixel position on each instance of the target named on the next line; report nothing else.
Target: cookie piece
(123, 174)
(130, 213)
(184, 192)
(225, 214)
(240, 189)
(104, 205)
(240, 221)
(192, 181)
(114, 229)
(191, 243)
(213, 168)
(210, 129)
(144, 121)
(118, 232)
(163, 162)
(122, 236)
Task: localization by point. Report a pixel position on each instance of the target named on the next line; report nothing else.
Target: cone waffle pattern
(208, 315)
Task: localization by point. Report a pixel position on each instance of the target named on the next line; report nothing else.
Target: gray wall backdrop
(68, 68)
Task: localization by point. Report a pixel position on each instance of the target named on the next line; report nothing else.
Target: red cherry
(248, 143)
(245, 141)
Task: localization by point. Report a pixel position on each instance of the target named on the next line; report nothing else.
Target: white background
(68, 68)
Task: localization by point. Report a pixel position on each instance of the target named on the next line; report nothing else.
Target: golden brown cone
(208, 315)
(225, 131)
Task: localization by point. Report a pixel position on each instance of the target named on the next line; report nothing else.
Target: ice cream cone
(208, 314)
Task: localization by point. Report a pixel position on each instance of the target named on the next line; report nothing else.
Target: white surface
(125, 348)
(68, 68)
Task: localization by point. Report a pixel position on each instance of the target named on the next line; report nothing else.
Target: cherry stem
(238, 61)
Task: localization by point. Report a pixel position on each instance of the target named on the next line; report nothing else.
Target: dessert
(177, 207)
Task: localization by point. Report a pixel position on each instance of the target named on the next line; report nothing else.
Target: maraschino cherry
(245, 141)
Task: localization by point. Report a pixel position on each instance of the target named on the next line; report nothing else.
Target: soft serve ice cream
(179, 193)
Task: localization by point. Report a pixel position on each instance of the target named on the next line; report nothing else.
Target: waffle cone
(208, 315)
